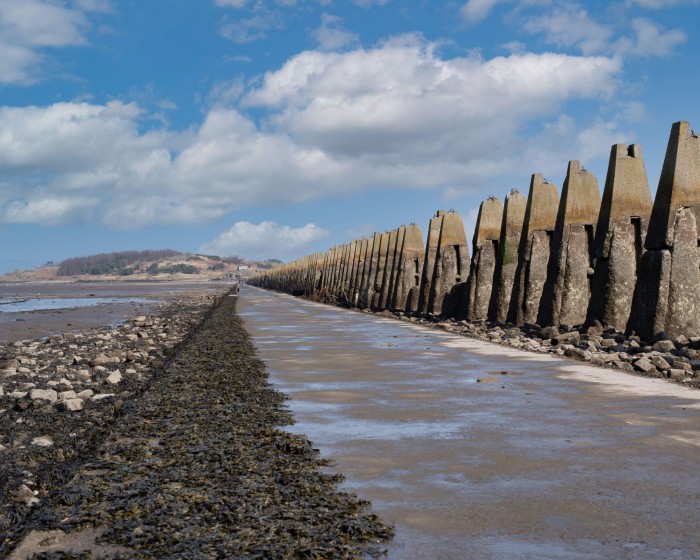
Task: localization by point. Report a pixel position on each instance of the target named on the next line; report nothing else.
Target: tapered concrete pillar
(428, 272)
(667, 298)
(355, 275)
(451, 265)
(395, 263)
(388, 269)
(534, 250)
(406, 292)
(571, 265)
(378, 275)
(370, 272)
(620, 234)
(483, 264)
(507, 258)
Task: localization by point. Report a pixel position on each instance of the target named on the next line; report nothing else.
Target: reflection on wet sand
(479, 451)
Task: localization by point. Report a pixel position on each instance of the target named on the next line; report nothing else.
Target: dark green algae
(198, 467)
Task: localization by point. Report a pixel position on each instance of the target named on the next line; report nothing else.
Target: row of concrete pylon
(623, 262)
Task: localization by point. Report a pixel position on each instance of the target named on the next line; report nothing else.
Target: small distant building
(243, 267)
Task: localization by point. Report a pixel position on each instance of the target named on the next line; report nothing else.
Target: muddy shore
(91, 422)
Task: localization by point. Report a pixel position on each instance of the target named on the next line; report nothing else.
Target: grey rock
(42, 441)
(644, 365)
(70, 405)
(43, 394)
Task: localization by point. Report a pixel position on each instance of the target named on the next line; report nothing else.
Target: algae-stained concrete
(356, 276)
(363, 284)
(620, 232)
(451, 266)
(571, 265)
(387, 279)
(431, 246)
(667, 296)
(409, 271)
(483, 264)
(378, 276)
(396, 263)
(533, 254)
(370, 274)
(507, 258)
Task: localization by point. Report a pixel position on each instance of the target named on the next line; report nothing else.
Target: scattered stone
(43, 394)
(42, 441)
(114, 378)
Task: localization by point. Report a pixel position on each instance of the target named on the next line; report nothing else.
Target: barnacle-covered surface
(198, 467)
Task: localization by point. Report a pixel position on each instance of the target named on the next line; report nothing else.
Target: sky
(278, 128)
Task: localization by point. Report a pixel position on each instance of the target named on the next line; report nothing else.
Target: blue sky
(276, 128)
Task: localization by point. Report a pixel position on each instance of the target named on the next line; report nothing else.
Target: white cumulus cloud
(264, 240)
(29, 27)
(396, 116)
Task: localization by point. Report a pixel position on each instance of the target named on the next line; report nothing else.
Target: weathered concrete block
(409, 271)
(378, 276)
(507, 258)
(571, 265)
(619, 239)
(451, 266)
(666, 295)
(429, 261)
(483, 264)
(370, 272)
(387, 280)
(533, 254)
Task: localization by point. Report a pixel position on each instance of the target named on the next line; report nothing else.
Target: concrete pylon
(572, 259)
(378, 275)
(448, 285)
(356, 275)
(388, 269)
(428, 272)
(534, 250)
(620, 232)
(369, 272)
(483, 264)
(410, 268)
(667, 297)
(395, 263)
(507, 258)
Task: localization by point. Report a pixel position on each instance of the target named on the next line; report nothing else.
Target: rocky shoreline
(78, 404)
(676, 359)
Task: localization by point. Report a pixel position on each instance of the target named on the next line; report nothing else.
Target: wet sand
(132, 298)
(479, 451)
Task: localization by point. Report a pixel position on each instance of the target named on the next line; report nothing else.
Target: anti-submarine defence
(570, 260)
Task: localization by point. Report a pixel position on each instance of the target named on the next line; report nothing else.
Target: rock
(101, 397)
(676, 374)
(65, 395)
(42, 441)
(549, 332)
(86, 394)
(571, 337)
(83, 375)
(100, 360)
(664, 346)
(577, 353)
(70, 405)
(25, 495)
(114, 378)
(43, 394)
(644, 365)
(660, 363)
